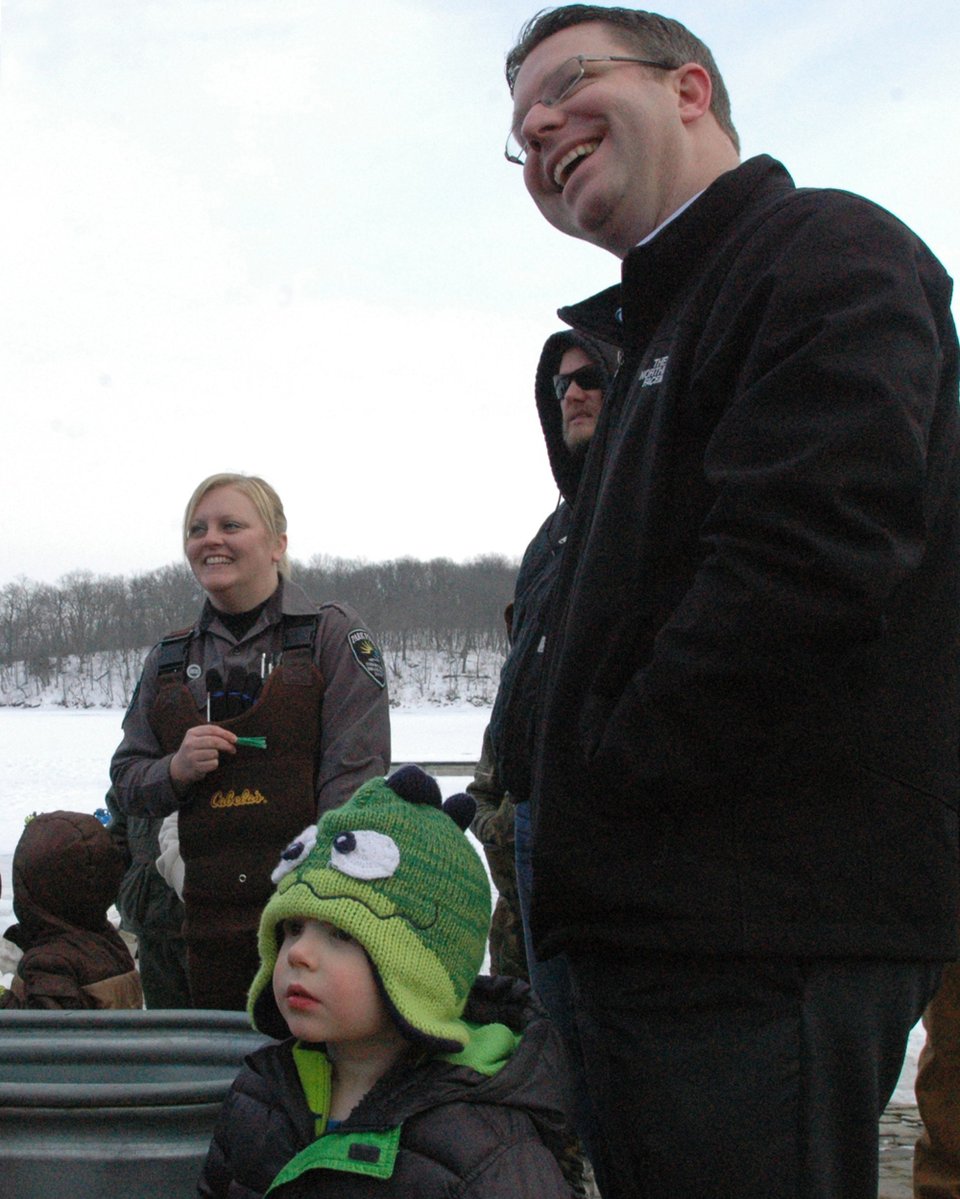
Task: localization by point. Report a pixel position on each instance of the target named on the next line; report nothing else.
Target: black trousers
(743, 1078)
(162, 958)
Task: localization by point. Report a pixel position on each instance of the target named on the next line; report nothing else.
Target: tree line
(453, 607)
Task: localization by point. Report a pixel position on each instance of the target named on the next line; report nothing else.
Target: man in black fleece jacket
(746, 777)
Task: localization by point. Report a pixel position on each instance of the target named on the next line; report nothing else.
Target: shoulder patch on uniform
(368, 656)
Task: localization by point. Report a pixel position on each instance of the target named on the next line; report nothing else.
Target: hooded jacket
(751, 700)
(512, 721)
(482, 1124)
(66, 872)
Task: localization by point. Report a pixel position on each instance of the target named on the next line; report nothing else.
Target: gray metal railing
(442, 769)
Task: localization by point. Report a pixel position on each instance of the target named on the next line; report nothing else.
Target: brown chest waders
(237, 820)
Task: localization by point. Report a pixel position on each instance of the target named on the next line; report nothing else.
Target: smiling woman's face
(231, 551)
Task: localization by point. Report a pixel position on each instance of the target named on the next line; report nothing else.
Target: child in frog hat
(398, 1071)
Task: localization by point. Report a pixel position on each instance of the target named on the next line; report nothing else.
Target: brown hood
(66, 873)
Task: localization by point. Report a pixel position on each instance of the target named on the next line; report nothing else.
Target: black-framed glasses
(587, 378)
(558, 86)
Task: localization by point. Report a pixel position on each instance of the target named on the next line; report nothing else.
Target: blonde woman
(264, 713)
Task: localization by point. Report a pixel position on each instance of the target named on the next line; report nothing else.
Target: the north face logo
(654, 374)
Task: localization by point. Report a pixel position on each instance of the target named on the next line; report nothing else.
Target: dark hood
(66, 874)
(566, 467)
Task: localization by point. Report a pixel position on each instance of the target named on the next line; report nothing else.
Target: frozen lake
(58, 758)
(54, 758)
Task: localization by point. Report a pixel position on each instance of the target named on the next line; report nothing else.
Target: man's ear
(694, 90)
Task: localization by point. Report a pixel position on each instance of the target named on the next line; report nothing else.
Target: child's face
(324, 986)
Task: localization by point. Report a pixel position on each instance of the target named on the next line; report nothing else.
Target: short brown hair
(653, 36)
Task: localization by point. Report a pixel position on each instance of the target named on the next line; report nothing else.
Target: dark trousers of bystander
(162, 961)
(742, 1078)
(550, 980)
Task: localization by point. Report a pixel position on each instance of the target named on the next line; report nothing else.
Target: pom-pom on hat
(393, 868)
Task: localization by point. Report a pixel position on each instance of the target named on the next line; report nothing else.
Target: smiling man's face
(603, 163)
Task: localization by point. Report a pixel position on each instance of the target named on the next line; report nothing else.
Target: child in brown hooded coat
(66, 872)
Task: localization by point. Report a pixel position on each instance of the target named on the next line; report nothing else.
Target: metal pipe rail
(444, 769)
(96, 1104)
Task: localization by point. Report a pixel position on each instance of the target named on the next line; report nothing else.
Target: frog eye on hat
(294, 853)
(364, 854)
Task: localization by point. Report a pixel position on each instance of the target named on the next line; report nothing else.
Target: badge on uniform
(369, 659)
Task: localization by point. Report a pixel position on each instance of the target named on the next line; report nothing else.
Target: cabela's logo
(234, 799)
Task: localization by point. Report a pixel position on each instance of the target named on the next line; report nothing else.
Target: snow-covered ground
(58, 758)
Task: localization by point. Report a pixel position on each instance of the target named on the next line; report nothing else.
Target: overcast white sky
(279, 236)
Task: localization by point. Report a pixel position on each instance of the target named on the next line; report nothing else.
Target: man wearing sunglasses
(579, 386)
(573, 374)
(745, 783)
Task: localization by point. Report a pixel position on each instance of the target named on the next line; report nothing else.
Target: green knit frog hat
(393, 868)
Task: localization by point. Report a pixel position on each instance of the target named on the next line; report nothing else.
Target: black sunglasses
(587, 378)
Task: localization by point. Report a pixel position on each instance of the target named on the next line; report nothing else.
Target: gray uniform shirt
(355, 718)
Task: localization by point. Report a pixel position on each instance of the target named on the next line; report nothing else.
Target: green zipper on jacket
(316, 1080)
(371, 1153)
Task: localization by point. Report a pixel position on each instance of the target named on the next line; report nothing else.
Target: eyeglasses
(557, 87)
(587, 378)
